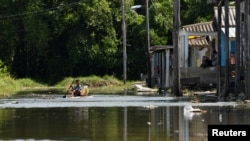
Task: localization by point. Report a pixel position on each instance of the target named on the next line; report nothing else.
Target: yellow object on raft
(85, 90)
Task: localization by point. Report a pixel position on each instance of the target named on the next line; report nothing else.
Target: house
(232, 33)
(161, 65)
(200, 39)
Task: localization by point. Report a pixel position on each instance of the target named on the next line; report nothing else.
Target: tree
(160, 18)
(49, 40)
(195, 11)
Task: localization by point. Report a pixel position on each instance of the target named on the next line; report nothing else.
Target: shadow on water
(134, 122)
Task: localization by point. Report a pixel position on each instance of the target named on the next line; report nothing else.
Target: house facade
(232, 33)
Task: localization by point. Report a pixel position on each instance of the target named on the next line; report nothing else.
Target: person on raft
(76, 89)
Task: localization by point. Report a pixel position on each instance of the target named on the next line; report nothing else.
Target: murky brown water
(115, 123)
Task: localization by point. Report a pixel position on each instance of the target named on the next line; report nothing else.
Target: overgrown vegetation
(48, 43)
(51, 40)
(106, 84)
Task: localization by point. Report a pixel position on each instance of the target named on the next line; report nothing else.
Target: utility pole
(124, 43)
(148, 47)
(176, 83)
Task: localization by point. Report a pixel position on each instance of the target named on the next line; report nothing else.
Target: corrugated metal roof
(200, 27)
(231, 15)
(160, 48)
(198, 42)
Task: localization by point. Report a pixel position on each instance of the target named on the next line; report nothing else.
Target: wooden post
(176, 81)
(219, 52)
(226, 88)
(246, 51)
(237, 49)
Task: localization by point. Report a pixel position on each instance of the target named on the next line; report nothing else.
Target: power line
(36, 13)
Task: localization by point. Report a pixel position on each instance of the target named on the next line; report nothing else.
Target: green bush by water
(105, 84)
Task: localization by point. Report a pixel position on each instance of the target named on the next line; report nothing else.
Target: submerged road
(55, 101)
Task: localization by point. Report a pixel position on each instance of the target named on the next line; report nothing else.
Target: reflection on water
(115, 123)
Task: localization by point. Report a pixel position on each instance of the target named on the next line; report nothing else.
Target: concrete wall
(207, 75)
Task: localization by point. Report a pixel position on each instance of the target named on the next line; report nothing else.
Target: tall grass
(92, 81)
(9, 85)
(111, 84)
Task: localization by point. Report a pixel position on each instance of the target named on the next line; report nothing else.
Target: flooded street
(112, 118)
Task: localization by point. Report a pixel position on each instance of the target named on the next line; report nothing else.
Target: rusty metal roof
(231, 15)
(200, 27)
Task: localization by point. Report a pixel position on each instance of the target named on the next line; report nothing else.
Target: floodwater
(112, 118)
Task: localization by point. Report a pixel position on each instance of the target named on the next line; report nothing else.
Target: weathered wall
(207, 75)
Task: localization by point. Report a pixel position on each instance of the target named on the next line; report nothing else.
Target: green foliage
(92, 81)
(3, 69)
(26, 82)
(50, 40)
(195, 11)
(7, 85)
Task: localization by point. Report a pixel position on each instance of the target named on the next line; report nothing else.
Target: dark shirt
(206, 63)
